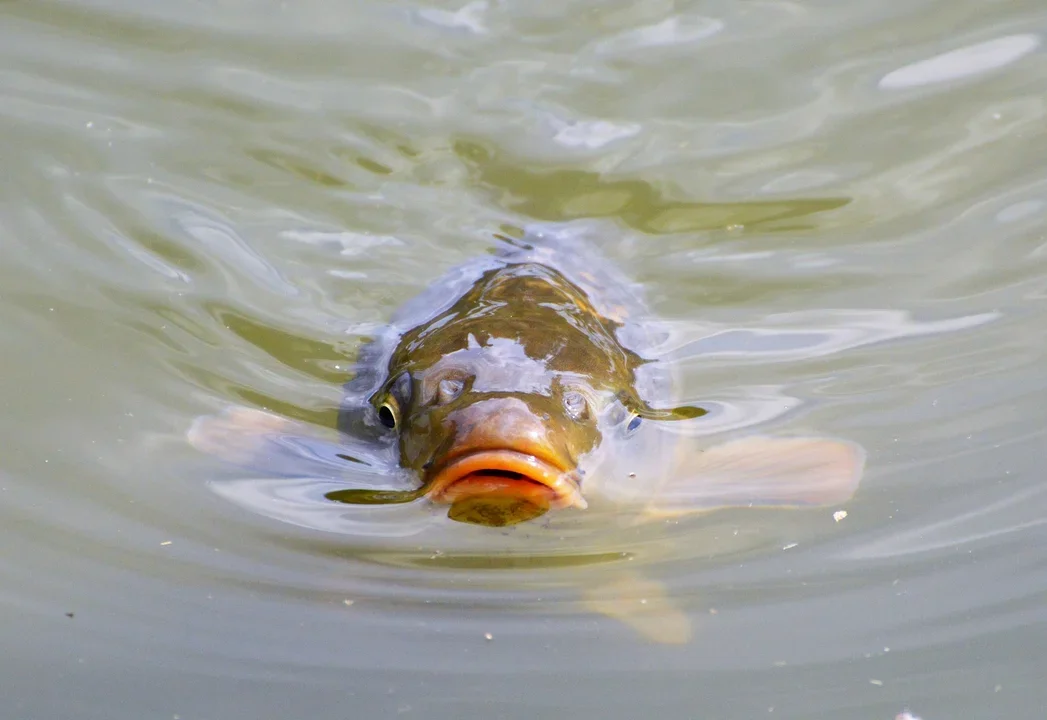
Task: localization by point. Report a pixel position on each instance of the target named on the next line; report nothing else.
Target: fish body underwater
(521, 383)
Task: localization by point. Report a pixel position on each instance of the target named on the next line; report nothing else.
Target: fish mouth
(506, 473)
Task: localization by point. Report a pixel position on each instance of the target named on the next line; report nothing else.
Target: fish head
(495, 433)
(499, 402)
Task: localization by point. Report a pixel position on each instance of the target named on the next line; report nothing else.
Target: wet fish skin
(521, 361)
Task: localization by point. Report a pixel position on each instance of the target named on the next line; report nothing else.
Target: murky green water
(838, 207)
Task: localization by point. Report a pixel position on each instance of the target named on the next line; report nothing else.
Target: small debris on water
(347, 602)
(488, 636)
(166, 542)
(839, 515)
(790, 546)
(906, 715)
(877, 683)
(70, 615)
(632, 475)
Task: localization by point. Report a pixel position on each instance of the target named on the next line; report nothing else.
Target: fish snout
(501, 449)
(499, 423)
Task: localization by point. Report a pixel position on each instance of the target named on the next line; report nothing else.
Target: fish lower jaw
(478, 485)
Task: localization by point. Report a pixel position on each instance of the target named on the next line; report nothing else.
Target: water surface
(838, 210)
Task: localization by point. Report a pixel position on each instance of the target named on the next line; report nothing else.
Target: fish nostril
(448, 389)
(576, 405)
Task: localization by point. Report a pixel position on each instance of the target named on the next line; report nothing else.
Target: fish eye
(576, 405)
(448, 389)
(634, 423)
(389, 413)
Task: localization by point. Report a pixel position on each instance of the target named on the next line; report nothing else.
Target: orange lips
(505, 474)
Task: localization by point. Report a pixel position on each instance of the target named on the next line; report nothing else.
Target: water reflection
(962, 63)
(805, 335)
(567, 194)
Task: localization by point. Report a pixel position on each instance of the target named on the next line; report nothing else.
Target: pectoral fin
(263, 442)
(760, 472)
